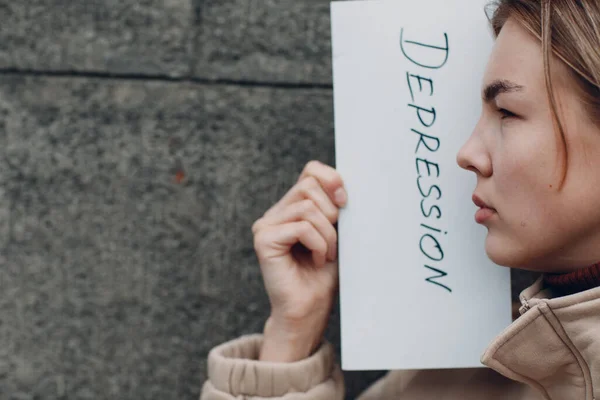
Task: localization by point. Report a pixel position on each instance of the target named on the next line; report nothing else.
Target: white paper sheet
(393, 317)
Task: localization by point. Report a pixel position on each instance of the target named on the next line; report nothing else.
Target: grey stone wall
(139, 140)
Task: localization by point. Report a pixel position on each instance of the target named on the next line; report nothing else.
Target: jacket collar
(554, 346)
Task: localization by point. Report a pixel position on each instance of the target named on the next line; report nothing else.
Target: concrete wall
(139, 140)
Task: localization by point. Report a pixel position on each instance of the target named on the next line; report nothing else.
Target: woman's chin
(505, 252)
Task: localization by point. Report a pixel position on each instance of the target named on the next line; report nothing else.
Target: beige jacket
(552, 351)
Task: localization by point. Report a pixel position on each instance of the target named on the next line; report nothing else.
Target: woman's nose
(473, 156)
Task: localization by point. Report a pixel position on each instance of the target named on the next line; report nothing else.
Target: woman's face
(515, 152)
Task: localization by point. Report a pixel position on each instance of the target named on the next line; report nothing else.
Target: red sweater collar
(576, 281)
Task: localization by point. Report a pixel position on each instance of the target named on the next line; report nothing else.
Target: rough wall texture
(266, 40)
(135, 37)
(139, 140)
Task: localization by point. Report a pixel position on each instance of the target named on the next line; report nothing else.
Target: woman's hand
(296, 245)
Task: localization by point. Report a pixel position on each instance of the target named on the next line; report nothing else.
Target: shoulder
(464, 384)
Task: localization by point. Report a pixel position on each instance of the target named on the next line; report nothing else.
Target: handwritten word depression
(425, 58)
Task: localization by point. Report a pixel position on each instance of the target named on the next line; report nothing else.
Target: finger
(305, 210)
(308, 188)
(274, 241)
(329, 178)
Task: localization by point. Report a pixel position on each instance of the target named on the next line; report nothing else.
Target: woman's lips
(485, 212)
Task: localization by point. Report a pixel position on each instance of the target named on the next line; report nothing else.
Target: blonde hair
(571, 30)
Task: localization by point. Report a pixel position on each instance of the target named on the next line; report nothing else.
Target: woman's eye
(505, 113)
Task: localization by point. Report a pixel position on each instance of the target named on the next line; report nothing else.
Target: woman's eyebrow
(497, 87)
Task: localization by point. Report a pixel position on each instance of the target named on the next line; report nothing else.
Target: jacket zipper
(524, 307)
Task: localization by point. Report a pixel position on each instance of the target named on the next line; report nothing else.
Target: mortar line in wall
(161, 78)
(196, 32)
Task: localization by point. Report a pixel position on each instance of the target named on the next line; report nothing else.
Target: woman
(536, 154)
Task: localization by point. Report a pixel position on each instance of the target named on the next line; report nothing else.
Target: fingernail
(340, 196)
